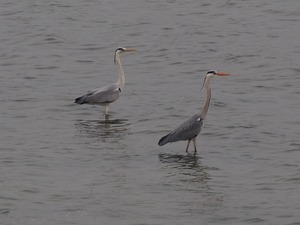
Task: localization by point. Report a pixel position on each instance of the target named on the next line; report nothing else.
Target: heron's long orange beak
(223, 74)
(130, 50)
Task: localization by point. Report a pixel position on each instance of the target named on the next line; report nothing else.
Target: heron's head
(212, 73)
(123, 50)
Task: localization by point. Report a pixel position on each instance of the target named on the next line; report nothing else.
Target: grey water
(62, 163)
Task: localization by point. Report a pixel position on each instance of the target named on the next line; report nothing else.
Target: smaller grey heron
(189, 130)
(108, 94)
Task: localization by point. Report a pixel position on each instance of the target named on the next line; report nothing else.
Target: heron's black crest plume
(212, 71)
(203, 83)
(209, 72)
(118, 49)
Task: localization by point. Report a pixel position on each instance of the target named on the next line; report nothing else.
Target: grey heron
(189, 130)
(108, 94)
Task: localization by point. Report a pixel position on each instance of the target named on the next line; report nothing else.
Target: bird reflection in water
(189, 166)
(186, 173)
(104, 129)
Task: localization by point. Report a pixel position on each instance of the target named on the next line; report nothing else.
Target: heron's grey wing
(103, 95)
(187, 130)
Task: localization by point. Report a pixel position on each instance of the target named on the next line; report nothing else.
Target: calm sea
(62, 163)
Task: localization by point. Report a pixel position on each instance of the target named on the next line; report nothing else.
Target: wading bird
(189, 130)
(108, 94)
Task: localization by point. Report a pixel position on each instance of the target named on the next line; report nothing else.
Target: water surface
(62, 163)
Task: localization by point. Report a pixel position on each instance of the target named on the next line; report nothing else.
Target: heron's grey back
(186, 131)
(102, 95)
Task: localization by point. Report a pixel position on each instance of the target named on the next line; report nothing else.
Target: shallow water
(62, 163)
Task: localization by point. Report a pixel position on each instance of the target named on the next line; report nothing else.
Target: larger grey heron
(108, 94)
(189, 130)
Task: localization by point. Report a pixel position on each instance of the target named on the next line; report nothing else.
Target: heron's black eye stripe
(212, 71)
(120, 49)
(119, 89)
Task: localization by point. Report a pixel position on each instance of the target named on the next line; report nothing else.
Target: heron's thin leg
(106, 110)
(194, 142)
(188, 144)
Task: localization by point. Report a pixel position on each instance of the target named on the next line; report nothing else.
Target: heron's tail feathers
(164, 140)
(81, 100)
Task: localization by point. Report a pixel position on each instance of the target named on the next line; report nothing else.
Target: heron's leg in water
(194, 142)
(106, 109)
(188, 144)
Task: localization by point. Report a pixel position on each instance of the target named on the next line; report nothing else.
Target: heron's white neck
(121, 80)
(205, 106)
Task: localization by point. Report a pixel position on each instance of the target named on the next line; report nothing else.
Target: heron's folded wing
(187, 130)
(103, 95)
